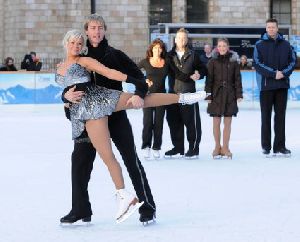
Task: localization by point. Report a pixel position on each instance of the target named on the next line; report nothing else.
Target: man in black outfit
(178, 115)
(274, 61)
(120, 129)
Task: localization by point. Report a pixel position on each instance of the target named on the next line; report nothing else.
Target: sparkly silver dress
(96, 103)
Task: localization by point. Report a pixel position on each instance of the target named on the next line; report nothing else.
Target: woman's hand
(150, 83)
(195, 76)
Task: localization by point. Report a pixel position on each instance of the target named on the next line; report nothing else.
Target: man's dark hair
(272, 20)
(32, 53)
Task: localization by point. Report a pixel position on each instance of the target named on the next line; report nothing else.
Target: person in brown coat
(224, 89)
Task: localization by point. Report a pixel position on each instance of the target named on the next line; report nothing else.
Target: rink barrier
(41, 88)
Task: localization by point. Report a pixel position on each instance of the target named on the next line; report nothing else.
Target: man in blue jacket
(274, 61)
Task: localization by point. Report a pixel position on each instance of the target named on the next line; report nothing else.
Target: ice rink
(247, 199)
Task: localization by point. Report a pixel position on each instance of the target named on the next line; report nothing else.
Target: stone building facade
(39, 25)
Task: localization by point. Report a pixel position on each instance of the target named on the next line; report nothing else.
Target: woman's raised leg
(151, 100)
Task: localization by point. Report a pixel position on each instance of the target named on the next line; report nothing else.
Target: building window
(160, 11)
(281, 10)
(197, 11)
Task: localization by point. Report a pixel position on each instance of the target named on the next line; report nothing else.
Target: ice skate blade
(148, 223)
(225, 157)
(217, 157)
(269, 156)
(194, 157)
(170, 157)
(78, 223)
(281, 155)
(129, 212)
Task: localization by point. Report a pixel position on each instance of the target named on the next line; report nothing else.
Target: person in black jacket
(8, 65)
(274, 61)
(36, 64)
(178, 116)
(26, 62)
(120, 129)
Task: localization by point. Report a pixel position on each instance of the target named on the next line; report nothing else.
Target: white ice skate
(147, 153)
(191, 98)
(156, 154)
(128, 204)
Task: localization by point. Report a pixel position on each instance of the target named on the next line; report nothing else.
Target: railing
(23, 87)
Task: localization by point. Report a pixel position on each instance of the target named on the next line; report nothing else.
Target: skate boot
(173, 154)
(128, 204)
(191, 154)
(191, 98)
(72, 218)
(147, 217)
(266, 153)
(156, 154)
(284, 152)
(226, 154)
(216, 154)
(147, 153)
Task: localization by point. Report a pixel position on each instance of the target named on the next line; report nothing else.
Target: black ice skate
(266, 153)
(72, 218)
(147, 218)
(174, 154)
(284, 152)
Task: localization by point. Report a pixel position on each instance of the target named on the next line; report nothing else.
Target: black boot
(282, 152)
(174, 153)
(72, 218)
(146, 217)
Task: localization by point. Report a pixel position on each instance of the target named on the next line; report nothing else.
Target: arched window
(281, 10)
(160, 11)
(197, 11)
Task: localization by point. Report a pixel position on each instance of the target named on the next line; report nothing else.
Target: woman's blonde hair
(72, 34)
(75, 34)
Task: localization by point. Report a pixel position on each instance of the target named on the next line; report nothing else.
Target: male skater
(120, 129)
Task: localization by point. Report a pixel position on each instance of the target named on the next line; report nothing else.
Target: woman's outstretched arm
(101, 69)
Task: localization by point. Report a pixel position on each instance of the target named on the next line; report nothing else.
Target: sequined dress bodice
(74, 75)
(96, 103)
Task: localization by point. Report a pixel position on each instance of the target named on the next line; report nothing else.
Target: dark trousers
(82, 165)
(178, 116)
(268, 100)
(83, 157)
(153, 121)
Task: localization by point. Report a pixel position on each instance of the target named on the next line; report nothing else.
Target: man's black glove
(67, 112)
(141, 87)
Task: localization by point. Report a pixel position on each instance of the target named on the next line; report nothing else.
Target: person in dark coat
(224, 89)
(179, 116)
(8, 65)
(206, 56)
(274, 61)
(244, 64)
(36, 64)
(26, 62)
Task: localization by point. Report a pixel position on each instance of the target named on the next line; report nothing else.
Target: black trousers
(178, 116)
(153, 121)
(83, 157)
(270, 99)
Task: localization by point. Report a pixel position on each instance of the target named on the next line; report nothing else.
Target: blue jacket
(271, 55)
